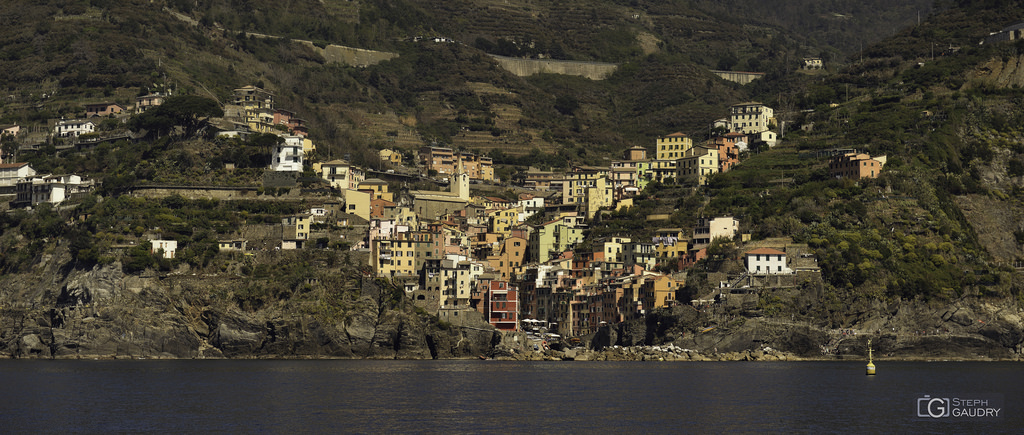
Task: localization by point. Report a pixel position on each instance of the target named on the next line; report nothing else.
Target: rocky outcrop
(101, 313)
(901, 330)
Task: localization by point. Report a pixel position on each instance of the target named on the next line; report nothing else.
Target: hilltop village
(462, 252)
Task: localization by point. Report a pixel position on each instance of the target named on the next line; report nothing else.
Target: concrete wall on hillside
(527, 67)
(738, 76)
(352, 56)
(340, 53)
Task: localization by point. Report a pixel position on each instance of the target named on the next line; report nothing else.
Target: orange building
(856, 166)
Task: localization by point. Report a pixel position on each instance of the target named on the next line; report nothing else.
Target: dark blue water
(493, 397)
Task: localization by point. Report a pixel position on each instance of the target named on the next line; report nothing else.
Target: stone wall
(222, 193)
(527, 67)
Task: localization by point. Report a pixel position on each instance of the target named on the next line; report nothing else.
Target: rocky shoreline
(671, 353)
(104, 314)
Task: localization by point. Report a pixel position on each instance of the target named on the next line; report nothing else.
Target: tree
(566, 104)
(190, 112)
(722, 248)
(139, 258)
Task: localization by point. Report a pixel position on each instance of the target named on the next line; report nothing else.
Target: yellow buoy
(871, 366)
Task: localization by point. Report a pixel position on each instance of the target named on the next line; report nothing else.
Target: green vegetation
(950, 135)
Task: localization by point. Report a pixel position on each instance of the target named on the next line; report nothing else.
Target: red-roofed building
(381, 209)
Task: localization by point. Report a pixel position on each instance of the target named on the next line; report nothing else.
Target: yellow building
(510, 257)
(697, 163)
(669, 244)
(671, 147)
(357, 202)
(662, 170)
(379, 188)
(340, 174)
(658, 291)
(750, 118)
(392, 257)
(576, 183)
(600, 195)
(295, 231)
(257, 108)
(613, 249)
(307, 146)
(501, 221)
(391, 156)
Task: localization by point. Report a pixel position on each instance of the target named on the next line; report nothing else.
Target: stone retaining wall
(527, 67)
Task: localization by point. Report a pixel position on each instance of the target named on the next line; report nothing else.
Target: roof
(13, 165)
(335, 162)
(677, 134)
(763, 251)
(496, 199)
(374, 181)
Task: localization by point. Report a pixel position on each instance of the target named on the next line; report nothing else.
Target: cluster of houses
(31, 189)
(461, 256)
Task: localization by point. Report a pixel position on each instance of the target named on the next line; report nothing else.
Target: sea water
(343, 396)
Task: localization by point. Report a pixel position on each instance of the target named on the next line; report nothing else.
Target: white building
(529, 205)
(53, 189)
(341, 174)
(768, 137)
(707, 230)
(167, 247)
(10, 173)
(767, 261)
(73, 128)
(288, 155)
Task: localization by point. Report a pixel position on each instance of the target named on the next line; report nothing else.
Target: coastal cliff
(103, 313)
(65, 313)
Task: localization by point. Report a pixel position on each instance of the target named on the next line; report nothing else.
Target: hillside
(938, 233)
(91, 51)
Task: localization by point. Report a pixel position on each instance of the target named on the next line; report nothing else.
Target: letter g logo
(938, 408)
